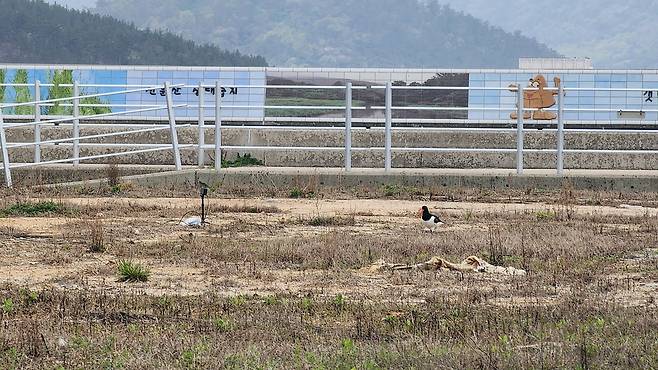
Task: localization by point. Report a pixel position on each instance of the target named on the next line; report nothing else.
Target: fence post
(37, 119)
(519, 130)
(172, 127)
(76, 123)
(218, 126)
(5, 153)
(201, 154)
(388, 126)
(560, 131)
(348, 126)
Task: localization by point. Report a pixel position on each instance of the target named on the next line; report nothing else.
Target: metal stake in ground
(203, 192)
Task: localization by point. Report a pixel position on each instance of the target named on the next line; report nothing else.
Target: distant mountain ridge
(336, 33)
(33, 31)
(615, 34)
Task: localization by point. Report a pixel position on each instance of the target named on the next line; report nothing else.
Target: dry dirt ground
(279, 283)
(299, 246)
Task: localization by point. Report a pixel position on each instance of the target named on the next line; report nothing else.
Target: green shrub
(8, 306)
(339, 302)
(130, 272)
(545, 215)
(242, 161)
(296, 193)
(223, 324)
(307, 304)
(391, 190)
(29, 209)
(237, 301)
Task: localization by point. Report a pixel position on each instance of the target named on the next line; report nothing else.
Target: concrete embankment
(267, 178)
(288, 147)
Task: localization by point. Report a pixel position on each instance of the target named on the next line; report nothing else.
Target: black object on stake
(203, 191)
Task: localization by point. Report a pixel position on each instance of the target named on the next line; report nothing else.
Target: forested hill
(36, 32)
(336, 33)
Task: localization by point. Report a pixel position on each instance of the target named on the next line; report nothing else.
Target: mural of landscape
(244, 94)
(237, 92)
(370, 98)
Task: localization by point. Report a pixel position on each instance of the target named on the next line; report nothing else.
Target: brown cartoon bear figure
(538, 99)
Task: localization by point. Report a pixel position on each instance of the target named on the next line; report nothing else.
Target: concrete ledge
(434, 179)
(66, 173)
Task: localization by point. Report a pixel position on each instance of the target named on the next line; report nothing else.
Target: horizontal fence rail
(210, 97)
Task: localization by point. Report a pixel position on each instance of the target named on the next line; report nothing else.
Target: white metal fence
(38, 121)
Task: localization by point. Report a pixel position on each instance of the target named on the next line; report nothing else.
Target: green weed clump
(296, 193)
(394, 190)
(7, 306)
(391, 190)
(242, 161)
(31, 209)
(130, 272)
(223, 324)
(545, 215)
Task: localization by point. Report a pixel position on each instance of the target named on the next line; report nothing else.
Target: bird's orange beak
(420, 212)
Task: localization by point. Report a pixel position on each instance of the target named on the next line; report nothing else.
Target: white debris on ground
(470, 264)
(194, 221)
(628, 206)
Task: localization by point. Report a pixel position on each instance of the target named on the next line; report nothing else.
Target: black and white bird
(430, 220)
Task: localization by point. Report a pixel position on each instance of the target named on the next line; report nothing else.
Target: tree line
(33, 31)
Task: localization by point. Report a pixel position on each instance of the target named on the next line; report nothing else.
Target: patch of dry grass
(566, 195)
(551, 250)
(96, 235)
(244, 208)
(330, 221)
(139, 331)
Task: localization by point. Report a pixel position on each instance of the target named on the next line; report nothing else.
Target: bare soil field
(274, 282)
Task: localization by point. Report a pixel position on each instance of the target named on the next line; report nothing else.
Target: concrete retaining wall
(53, 174)
(240, 180)
(363, 138)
